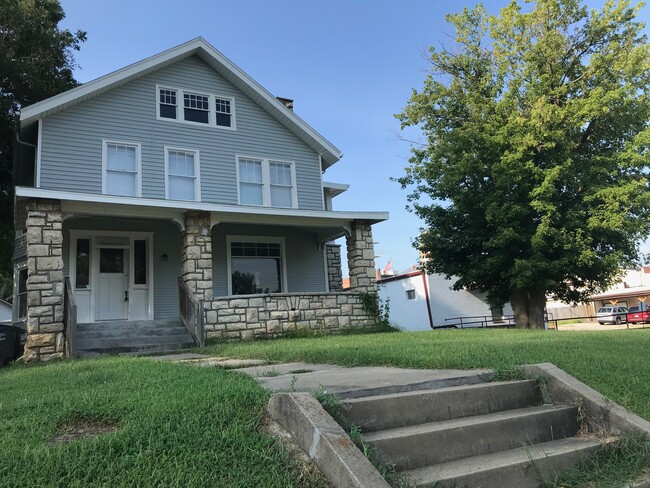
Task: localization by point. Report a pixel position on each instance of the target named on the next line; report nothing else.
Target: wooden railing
(70, 320)
(192, 313)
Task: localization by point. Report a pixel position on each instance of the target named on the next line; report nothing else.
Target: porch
(240, 277)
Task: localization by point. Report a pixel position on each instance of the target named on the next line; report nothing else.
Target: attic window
(167, 103)
(197, 108)
(223, 112)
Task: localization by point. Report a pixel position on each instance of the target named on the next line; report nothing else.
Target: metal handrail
(70, 320)
(192, 313)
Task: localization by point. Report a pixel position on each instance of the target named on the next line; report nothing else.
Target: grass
(169, 425)
(616, 363)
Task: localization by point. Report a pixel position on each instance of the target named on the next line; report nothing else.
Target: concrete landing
(359, 381)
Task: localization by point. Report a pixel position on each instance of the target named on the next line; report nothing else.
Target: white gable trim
(218, 62)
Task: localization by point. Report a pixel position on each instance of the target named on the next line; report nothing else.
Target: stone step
(418, 407)
(110, 332)
(135, 349)
(523, 467)
(118, 342)
(438, 442)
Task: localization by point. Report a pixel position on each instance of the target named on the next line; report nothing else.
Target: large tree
(36, 62)
(533, 178)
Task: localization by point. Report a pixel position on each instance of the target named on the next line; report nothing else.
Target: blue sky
(350, 65)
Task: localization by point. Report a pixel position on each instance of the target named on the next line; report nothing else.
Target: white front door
(112, 296)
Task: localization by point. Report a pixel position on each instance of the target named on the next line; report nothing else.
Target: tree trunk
(519, 302)
(528, 307)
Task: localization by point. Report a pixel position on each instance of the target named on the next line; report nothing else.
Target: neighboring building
(632, 290)
(5, 312)
(180, 166)
(420, 302)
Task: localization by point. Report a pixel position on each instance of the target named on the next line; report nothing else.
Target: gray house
(177, 192)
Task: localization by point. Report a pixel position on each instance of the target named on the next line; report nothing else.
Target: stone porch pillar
(361, 258)
(334, 275)
(196, 254)
(44, 240)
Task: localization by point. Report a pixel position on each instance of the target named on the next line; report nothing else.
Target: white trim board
(231, 212)
(229, 70)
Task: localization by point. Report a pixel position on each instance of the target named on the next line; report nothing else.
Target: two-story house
(178, 187)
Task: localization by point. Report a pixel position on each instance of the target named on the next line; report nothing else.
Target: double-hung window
(195, 108)
(182, 174)
(266, 182)
(121, 168)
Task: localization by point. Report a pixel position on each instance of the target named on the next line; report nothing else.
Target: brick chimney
(287, 102)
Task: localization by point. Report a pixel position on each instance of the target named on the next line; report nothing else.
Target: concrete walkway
(345, 382)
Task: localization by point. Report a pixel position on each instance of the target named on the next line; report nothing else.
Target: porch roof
(108, 205)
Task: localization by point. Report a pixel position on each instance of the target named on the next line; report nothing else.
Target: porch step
(132, 337)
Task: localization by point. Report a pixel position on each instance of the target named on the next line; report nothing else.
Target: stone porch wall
(334, 273)
(246, 317)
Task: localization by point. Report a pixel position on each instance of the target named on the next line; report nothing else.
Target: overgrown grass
(177, 426)
(616, 363)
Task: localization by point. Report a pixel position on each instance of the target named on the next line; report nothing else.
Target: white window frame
(197, 171)
(262, 239)
(138, 165)
(180, 107)
(16, 302)
(266, 180)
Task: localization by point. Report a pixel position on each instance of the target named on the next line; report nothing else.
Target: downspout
(426, 294)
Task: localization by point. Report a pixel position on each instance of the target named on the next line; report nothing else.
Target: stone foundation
(334, 275)
(44, 240)
(249, 316)
(196, 254)
(361, 258)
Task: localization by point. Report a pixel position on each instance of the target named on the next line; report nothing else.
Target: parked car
(611, 315)
(637, 316)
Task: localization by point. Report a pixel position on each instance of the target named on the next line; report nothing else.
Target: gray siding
(72, 139)
(305, 264)
(166, 240)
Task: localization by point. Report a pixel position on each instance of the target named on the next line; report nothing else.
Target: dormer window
(197, 108)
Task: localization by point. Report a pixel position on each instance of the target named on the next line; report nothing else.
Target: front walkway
(345, 382)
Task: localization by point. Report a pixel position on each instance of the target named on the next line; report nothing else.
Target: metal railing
(478, 321)
(70, 320)
(192, 313)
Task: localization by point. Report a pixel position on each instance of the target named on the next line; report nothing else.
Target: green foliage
(377, 308)
(177, 426)
(533, 173)
(36, 62)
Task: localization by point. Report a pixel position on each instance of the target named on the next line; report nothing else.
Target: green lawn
(186, 426)
(616, 363)
(177, 426)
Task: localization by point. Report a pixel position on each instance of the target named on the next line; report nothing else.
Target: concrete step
(116, 342)
(108, 333)
(130, 324)
(418, 407)
(524, 467)
(425, 444)
(135, 349)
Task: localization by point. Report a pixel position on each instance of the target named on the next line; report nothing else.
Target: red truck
(637, 316)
